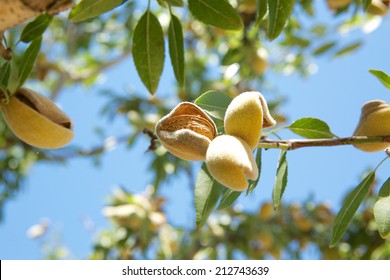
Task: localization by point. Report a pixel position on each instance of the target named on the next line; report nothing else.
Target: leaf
(178, 3)
(253, 184)
(228, 198)
(366, 4)
(176, 48)
(261, 9)
(348, 49)
(385, 189)
(382, 216)
(35, 28)
(324, 48)
(207, 193)
(214, 103)
(311, 128)
(382, 210)
(148, 50)
(280, 179)
(87, 9)
(5, 72)
(28, 59)
(279, 12)
(382, 77)
(216, 12)
(350, 206)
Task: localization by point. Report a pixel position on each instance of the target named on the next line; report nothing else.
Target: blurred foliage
(229, 61)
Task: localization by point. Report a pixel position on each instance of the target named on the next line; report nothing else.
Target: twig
(293, 144)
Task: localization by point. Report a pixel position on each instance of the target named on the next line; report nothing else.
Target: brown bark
(14, 12)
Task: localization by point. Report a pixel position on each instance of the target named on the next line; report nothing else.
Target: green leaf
(207, 193)
(350, 206)
(261, 9)
(324, 48)
(178, 3)
(382, 77)
(28, 59)
(279, 12)
(216, 12)
(311, 128)
(148, 50)
(35, 28)
(87, 9)
(228, 198)
(382, 216)
(348, 49)
(385, 189)
(5, 72)
(280, 179)
(366, 4)
(214, 103)
(176, 48)
(253, 184)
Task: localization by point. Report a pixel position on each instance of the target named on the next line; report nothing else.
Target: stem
(294, 144)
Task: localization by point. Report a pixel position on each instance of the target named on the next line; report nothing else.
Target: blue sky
(72, 193)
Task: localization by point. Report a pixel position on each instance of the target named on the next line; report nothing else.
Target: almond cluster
(189, 133)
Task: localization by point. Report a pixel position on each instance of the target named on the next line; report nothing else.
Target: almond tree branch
(293, 144)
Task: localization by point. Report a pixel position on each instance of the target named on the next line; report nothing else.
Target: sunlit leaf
(280, 179)
(279, 12)
(207, 194)
(216, 12)
(176, 48)
(311, 128)
(253, 184)
(382, 210)
(348, 49)
(87, 9)
(35, 28)
(214, 103)
(324, 48)
(148, 50)
(28, 59)
(382, 77)
(228, 198)
(350, 206)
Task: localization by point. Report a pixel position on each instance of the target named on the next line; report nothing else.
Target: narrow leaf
(350, 206)
(207, 193)
(348, 49)
(253, 184)
(178, 3)
(261, 9)
(5, 72)
(216, 12)
(279, 12)
(214, 103)
(28, 59)
(228, 198)
(385, 189)
(324, 48)
(311, 128)
(280, 179)
(148, 50)
(176, 48)
(366, 4)
(382, 77)
(87, 9)
(35, 28)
